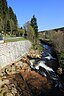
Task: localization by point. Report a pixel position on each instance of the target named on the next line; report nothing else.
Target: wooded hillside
(8, 19)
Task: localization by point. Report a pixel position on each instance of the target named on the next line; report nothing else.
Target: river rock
(20, 80)
(38, 84)
(9, 94)
(59, 71)
(20, 86)
(34, 54)
(25, 59)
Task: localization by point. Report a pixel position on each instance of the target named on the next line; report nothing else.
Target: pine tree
(0, 8)
(1, 24)
(4, 14)
(34, 25)
(11, 13)
(8, 19)
(4, 8)
(8, 28)
(13, 20)
(1, 20)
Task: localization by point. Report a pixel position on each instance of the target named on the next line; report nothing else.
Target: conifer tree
(13, 20)
(8, 28)
(0, 8)
(4, 14)
(1, 20)
(8, 19)
(34, 25)
(4, 8)
(1, 24)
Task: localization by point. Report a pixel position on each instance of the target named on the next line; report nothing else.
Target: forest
(8, 19)
(9, 23)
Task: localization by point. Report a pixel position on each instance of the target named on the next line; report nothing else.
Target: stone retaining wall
(12, 51)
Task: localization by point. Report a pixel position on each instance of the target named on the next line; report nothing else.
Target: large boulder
(38, 84)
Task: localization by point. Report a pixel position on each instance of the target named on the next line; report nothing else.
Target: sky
(49, 13)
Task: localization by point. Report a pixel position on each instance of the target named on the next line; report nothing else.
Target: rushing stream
(47, 65)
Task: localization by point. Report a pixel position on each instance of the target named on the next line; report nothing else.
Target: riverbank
(18, 79)
(12, 78)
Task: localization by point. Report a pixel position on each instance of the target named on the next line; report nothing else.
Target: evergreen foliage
(13, 21)
(31, 29)
(8, 19)
(34, 25)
